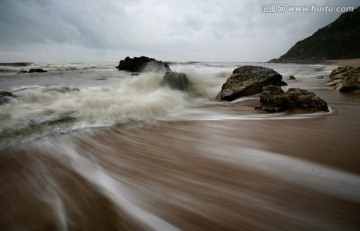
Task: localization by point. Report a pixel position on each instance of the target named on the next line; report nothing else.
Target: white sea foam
(103, 96)
(109, 185)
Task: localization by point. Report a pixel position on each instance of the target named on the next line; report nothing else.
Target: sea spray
(134, 100)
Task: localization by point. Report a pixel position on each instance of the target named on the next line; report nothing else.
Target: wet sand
(229, 174)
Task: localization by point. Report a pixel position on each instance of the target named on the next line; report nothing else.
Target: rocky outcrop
(248, 80)
(274, 99)
(338, 40)
(143, 63)
(5, 97)
(345, 79)
(36, 70)
(175, 80)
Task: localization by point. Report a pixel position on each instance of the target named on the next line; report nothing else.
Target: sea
(85, 146)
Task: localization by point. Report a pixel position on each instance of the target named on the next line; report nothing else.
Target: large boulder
(248, 80)
(143, 63)
(175, 80)
(345, 79)
(5, 97)
(274, 99)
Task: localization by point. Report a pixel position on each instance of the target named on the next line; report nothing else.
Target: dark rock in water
(248, 80)
(303, 99)
(291, 77)
(5, 97)
(283, 83)
(274, 99)
(345, 79)
(175, 80)
(37, 70)
(143, 63)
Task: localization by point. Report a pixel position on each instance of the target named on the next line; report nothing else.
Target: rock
(291, 77)
(143, 63)
(303, 99)
(5, 97)
(274, 99)
(175, 80)
(345, 79)
(248, 80)
(37, 70)
(283, 83)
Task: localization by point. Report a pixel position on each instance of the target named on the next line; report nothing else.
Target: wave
(42, 108)
(20, 67)
(18, 64)
(140, 100)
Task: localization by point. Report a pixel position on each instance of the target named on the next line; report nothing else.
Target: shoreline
(251, 171)
(345, 62)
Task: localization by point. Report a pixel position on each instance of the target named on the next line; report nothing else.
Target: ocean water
(72, 96)
(87, 147)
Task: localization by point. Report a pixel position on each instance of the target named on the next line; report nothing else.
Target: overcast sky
(172, 30)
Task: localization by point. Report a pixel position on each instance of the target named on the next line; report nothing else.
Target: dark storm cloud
(233, 30)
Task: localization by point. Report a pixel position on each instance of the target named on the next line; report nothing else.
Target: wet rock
(303, 99)
(5, 97)
(345, 79)
(36, 70)
(274, 99)
(143, 63)
(291, 77)
(248, 80)
(283, 83)
(175, 80)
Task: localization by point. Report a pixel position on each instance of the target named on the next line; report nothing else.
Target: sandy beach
(276, 174)
(176, 160)
(344, 62)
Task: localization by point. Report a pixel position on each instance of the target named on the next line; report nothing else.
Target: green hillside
(338, 40)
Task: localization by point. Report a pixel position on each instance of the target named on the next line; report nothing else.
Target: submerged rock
(248, 80)
(175, 80)
(345, 79)
(37, 70)
(274, 99)
(5, 97)
(143, 63)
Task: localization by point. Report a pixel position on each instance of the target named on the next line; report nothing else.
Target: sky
(169, 30)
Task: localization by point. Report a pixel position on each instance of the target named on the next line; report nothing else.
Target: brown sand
(286, 174)
(345, 62)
